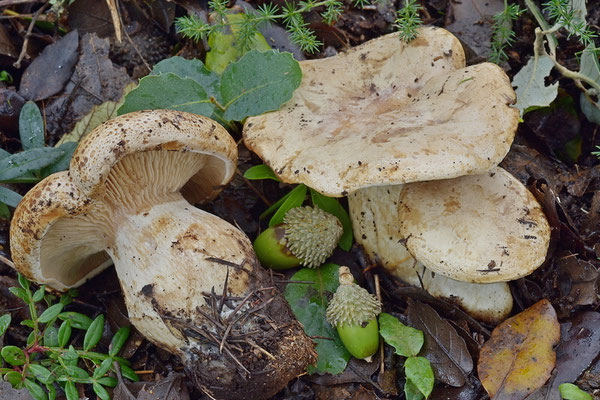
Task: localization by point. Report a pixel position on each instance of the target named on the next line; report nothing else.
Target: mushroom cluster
(191, 281)
(414, 137)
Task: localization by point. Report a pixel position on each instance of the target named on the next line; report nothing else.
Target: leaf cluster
(35, 162)
(408, 20)
(257, 83)
(49, 360)
(296, 197)
(503, 35)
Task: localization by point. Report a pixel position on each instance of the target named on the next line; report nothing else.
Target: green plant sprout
(291, 17)
(503, 35)
(48, 361)
(5, 77)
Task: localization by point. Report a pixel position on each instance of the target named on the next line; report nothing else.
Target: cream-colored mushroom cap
(63, 226)
(478, 228)
(388, 112)
(375, 221)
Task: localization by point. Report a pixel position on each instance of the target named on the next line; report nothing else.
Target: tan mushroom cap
(375, 221)
(478, 228)
(387, 112)
(62, 227)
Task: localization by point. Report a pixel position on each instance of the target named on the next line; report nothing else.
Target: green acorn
(353, 312)
(307, 236)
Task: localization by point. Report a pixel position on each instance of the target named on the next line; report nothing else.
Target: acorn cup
(353, 312)
(307, 236)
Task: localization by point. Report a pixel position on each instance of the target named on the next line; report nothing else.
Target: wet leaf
(568, 391)
(258, 83)
(530, 84)
(51, 70)
(193, 69)
(419, 372)
(62, 162)
(444, 348)
(309, 304)
(9, 197)
(406, 340)
(519, 357)
(31, 126)
(19, 164)
(13, 355)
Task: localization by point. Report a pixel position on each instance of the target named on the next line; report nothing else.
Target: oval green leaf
(78, 321)
(31, 126)
(259, 82)
(260, 172)
(406, 340)
(13, 355)
(41, 373)
(94, 333)
(4, 323)
(117, 342)
(64, 333)
(418, 370)
(36, 391)
(50, 313)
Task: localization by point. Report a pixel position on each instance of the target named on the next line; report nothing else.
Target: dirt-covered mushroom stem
(191, 281)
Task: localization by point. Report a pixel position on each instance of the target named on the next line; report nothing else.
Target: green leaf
(28, 322)
(70, 357)
(51, 336)
(193, 69)
(23, 281)
(50, 313)
(13, 355)
(103, 368)
(71, 391)
(406, 340)
(64, 333)
(418, 370)
(590, 67)
(275, 206)
(20, 293)
(568, 391)
(4, 323)
(309, 304)
(334, 207)
(62, 163)
(41, 373)
(260, 172)
(9, 197)
(94, 333)
(258, 83)
(4, 211)
(411, 392)
(39, 294)
(14, 378)
(295, 198)
(51, 391)
(167, 91)
(100, 391)
(31, 126)
(78, 320)
(31, 160)
(78, 374)
(118, 340)
(129, 373)
(530, 84)
(36, 391)
(109, 381)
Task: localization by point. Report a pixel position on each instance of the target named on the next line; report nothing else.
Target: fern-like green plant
(503, 35)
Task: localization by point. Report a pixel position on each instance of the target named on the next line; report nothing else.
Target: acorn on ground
(307, 236)
(353, 312)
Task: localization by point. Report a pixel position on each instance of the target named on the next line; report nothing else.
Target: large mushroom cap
(477, 228)
(62, 226)
(387, 112)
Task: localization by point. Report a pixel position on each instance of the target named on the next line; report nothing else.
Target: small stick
(378, 294)
(255, 190)
(17, 63)
(7, 262)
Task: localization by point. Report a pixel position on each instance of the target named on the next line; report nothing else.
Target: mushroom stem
(166, 258)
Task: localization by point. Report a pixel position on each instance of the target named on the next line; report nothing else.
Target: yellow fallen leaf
(519, 356)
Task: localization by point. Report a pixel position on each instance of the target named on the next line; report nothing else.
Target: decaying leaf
(530, 86)
(444, 348)
(519, 357)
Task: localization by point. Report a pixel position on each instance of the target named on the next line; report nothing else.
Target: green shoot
(503, 35)
(6, 77)
(408, 20)
(49, 359)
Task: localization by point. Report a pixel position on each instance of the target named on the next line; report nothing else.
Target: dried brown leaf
(519, 357)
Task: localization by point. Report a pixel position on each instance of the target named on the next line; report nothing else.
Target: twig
(255, 190)
(132, 43)
(7, 262)
(13, 2)
(17, 63)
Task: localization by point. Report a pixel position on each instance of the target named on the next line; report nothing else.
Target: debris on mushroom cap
(397, 113)
(174, 261)
(311, 234)
(375, 221)
(477, 228)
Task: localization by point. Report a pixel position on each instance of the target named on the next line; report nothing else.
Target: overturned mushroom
(126, 199)
(389, 113)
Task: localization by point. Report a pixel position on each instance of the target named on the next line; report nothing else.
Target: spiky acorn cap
(351, 304)
(311, 234)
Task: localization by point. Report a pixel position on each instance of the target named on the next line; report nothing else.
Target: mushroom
(388, 113)
(188, 277)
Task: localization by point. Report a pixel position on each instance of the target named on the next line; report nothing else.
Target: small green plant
(35, 162)
(291, 17)
(5, 77)
(568, 391)
(503, 35)
(49, 361)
